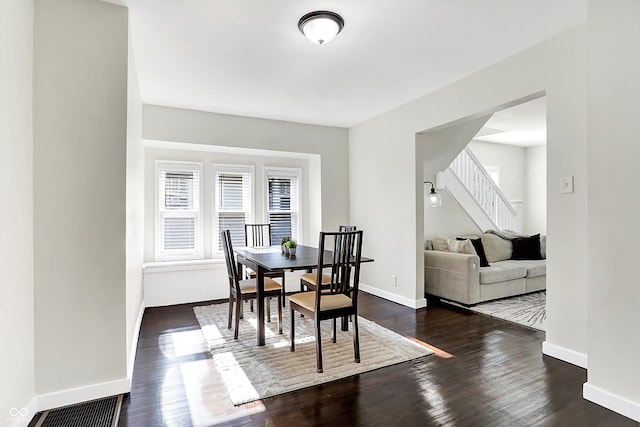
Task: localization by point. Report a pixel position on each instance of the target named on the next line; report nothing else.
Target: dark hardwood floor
(496, 377)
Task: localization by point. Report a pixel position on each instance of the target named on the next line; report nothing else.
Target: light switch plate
(566, 184)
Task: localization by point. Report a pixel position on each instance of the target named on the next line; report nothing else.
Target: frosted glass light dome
(321, 26)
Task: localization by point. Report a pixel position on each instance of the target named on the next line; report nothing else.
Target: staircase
(470, 184)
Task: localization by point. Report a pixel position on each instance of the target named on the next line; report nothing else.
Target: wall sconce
(433, 198)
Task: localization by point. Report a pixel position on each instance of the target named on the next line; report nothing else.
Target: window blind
(179, 233)
(233, 202)
(282, 205)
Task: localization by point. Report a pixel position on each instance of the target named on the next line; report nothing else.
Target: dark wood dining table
(270, 259)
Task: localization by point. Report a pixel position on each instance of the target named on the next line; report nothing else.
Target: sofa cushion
(479, 250)
(502, 271)
(461, 246)
(496, 248)
(526, 247)
(535, 268)
(439, 243)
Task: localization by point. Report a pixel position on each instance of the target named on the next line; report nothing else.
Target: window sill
(186, 265)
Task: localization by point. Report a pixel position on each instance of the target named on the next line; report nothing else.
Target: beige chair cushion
(311, 278)
(328, 302)
(249, 286)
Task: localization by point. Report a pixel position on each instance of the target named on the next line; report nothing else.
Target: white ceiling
(247, 57)
(523, 125)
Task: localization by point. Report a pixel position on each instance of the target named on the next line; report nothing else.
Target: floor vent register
(96, 413)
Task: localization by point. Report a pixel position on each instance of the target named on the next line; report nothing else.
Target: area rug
(252, 373)
(528, 310)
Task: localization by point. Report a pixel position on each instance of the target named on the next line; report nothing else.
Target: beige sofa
(457, 276)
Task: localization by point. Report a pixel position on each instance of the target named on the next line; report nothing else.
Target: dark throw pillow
(526, 247)
(477, 245)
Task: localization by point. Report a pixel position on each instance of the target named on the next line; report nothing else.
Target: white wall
(234, 132)
(435, 150)
(448, 220)
(80, 135)
(134, 211)
(535, 194)
(386, 206)
(523, 176)
(17, 388)
(614, 209)
(510, 160)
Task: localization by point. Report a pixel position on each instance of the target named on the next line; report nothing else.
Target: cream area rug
(528, 310)
(251, 372)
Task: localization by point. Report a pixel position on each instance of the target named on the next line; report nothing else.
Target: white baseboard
(565, 354)
(415, 304)
(611, 401)
(94, 391)
(134, 343)
(82, 394)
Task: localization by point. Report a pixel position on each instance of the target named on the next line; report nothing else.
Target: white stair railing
(479, 184)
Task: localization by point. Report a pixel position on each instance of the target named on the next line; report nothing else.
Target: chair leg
(356, 340)
(292, 333)
(251, 305)
(333, 330)
(318, 346)
(301, 290)
(238, 314)
(269, 308)
(280, 319)
(230, 311)
(283, 291)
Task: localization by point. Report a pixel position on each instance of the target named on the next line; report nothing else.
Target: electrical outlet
(394, 280)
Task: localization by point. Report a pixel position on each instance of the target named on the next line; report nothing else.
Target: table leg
(260, 298)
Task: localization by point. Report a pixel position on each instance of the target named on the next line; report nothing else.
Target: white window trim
(228, 168)
(198, 252)
(284, 171)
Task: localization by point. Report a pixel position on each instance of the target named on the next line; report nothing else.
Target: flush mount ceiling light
(321, 26)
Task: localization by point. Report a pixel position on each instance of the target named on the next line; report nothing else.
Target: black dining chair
(339, 298)
(308, 280)
(256, 236)
(242, 290)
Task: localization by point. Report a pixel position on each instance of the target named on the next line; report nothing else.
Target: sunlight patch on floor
(178, 344)
(233, 375)
(437, 352)
(201, 390)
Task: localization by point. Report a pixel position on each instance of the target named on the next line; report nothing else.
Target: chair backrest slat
(257, 235)
(345, 263)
